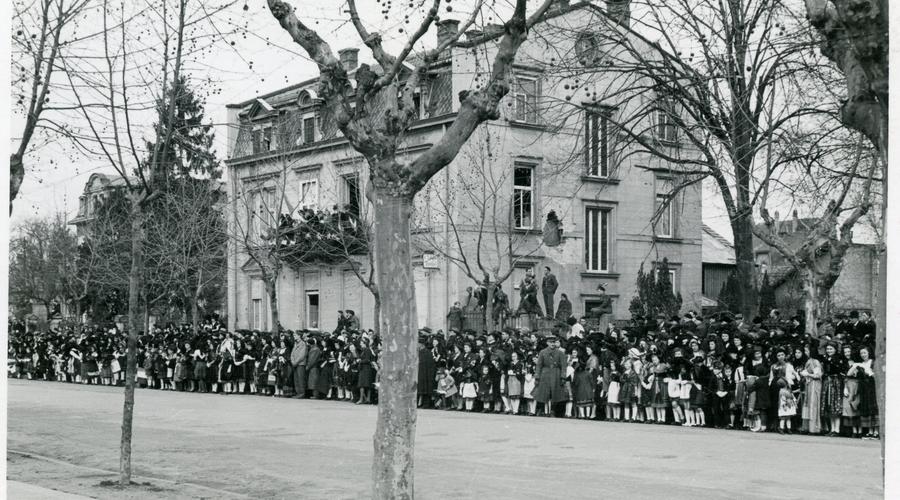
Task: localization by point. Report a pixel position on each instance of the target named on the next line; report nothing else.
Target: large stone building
(548, 151)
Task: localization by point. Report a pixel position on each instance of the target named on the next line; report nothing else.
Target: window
(525, 95)
(260, 212)
(309, 193)
(596, 239)
(439, 94)
(671, 279)
(309, 130)
(312, 310)
(350, 194)
(596, 143)
(665, 122)
(586, 48)
(664, 223)
(268, 142)
(256, 139)
(523, 196)
(256, 314)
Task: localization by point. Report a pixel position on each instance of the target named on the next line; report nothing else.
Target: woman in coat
(811, 398)
(366, 372)
(834, 368)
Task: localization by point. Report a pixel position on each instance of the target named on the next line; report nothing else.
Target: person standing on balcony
(548, 287)
(455, 318)
(528, 303)
(603, 309)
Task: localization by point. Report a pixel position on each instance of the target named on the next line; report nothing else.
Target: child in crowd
(787, 406)
(613, 384)
(446, 389)
(485, 389)
(469, 390)
(528, 390)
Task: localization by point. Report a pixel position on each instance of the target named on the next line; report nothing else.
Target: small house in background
(718, 263)
(854, 289)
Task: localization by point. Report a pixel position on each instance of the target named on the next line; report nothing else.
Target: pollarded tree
(854, 34)
(374, 116)
(819, 257)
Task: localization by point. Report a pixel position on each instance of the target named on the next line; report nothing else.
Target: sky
(249, 55)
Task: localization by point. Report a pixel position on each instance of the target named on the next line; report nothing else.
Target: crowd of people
(722, 371)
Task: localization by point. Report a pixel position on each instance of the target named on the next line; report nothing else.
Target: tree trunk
(146, 317)
(881, 311)
(376, 311)
(745, 271)
(195, 314)
(489, 306)
(134, 291)
(272, 291)
(395, 432)
(16, 176)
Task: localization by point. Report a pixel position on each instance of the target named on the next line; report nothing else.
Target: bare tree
(117, 90)
(260, 202)
(41, 29)
(39, 263)
(483, 241)
(188, 235)
(374, 116)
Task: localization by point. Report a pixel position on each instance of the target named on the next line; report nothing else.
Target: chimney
(446, 30)
(619, 11)
(777, 222)
(349, 58)
(795, 223)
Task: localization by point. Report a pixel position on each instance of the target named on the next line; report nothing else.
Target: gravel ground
(66, 437)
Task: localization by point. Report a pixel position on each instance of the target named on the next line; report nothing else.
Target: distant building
(96, 187)
(854, 288)
(606, 201)
(718, 264)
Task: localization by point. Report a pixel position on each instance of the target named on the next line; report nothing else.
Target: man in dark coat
(455, 318)
(550, 375)
(548, 287)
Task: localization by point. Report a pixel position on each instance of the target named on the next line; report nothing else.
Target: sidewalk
(24, 491)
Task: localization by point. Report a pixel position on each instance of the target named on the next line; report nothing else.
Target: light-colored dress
(811, 404)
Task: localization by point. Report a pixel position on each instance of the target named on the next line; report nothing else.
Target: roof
(716, 249)
(294, 90)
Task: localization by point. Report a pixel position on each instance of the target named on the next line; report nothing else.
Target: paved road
(66, 437)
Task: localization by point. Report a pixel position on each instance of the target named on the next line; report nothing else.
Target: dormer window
(309, 129)
(586, 49)
(262, 139)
